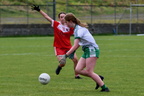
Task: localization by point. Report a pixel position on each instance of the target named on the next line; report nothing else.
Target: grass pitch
(23, 59)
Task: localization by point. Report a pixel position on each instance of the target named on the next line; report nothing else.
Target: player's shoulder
(56, 22)
(80, 28)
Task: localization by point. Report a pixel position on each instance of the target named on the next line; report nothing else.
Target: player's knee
(89, 73)
(77, 70)
(62, 65)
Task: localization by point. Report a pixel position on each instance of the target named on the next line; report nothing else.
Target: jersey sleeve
(54, 23)
(79, 33)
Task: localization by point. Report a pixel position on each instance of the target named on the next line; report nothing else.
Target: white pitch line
(39, 54)
(140, 34)
(23, 54)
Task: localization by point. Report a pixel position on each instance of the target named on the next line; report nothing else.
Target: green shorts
(90, 52)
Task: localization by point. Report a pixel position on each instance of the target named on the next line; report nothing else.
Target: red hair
(72, 17)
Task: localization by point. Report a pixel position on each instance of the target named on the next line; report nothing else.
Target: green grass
(23, 59)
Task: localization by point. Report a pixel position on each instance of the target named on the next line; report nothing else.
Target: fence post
(0, 22)
(116, 29)
(91, 13)
(130, 19)
(54, 9)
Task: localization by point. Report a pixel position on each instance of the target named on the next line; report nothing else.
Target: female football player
(87, 62)
(62, 35)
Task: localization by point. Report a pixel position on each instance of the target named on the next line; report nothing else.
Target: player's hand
(34, 7)
(63, 59)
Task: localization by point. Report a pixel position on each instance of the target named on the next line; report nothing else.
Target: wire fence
(91, 14)
(22, 14)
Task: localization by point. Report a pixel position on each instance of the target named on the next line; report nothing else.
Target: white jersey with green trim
(86, 39)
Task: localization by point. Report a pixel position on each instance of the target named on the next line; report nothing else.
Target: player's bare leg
(75, 61)
(89, 64)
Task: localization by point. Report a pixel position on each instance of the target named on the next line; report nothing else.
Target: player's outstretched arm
(34, 7)
(46, 16)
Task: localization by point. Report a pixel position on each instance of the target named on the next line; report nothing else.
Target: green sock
(104, 86)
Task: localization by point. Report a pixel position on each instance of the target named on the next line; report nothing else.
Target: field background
(103, 11)
(23, 59)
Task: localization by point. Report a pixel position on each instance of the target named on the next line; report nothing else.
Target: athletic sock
(104, 86)
(58, 70)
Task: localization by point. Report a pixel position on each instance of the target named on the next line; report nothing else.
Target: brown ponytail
(71, 17)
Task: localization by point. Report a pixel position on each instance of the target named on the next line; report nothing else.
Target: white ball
(44, 78)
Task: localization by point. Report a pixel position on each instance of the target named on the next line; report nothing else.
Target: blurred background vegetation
(21, 10)
(78, 2)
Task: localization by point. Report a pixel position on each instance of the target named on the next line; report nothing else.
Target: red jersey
(62, 35)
